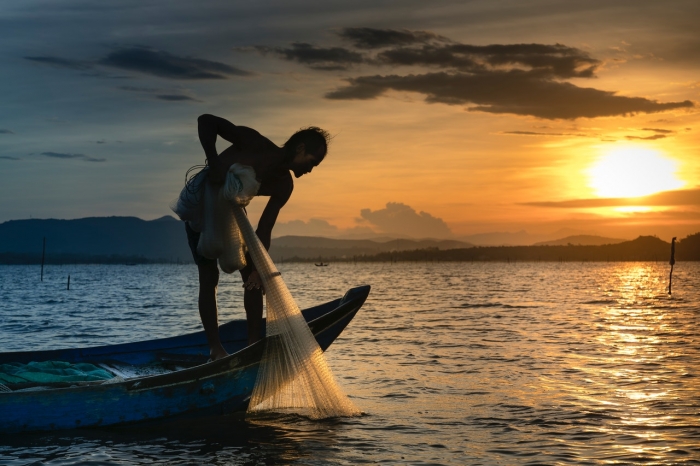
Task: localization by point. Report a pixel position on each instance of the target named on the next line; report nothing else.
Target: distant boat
(157, 378)
(321, 264)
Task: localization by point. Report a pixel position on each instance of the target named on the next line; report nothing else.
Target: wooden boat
(156, 379)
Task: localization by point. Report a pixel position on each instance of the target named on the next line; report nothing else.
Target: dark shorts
(193, 240)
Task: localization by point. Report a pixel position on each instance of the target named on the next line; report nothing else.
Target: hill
(310, 247)
(581, 240)
(644, 248)
(131, 239)
(104, 239)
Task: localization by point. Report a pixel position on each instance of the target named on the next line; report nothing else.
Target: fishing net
(207, 209)
(293, 375)
(188, 205)
(220, 238)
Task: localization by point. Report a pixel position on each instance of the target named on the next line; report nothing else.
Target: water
(453, 363)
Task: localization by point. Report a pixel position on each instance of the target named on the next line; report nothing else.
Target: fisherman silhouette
(302, 152)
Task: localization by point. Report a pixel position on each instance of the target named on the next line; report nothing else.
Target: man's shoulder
(254, 141)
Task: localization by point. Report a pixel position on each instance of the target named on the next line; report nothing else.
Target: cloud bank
(402, 220)
(682, 197)
(166, 65)
(395, 220)
(320, 58)
(65, 156)
(520, 79)
(150, 61)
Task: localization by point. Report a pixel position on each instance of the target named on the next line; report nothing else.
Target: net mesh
(293, 375)
(207, 209)
(220, 237)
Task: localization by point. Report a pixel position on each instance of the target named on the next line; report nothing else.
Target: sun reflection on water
(637, 336)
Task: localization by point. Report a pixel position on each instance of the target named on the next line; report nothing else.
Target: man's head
(306, 149)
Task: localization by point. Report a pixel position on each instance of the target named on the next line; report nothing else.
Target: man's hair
(313, 138)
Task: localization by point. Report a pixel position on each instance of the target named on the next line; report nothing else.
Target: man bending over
(272, 164)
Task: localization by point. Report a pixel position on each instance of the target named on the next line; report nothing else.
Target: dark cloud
(8, 157)
(684, 197)
(138, 89)
(370, 38)
(520, 79)
(61, 155)
(534, 133)
(656, 130)
(401, 219)
(176, 97)
(62, 62)
(328, 59)
(513, 92)
(557, 61)
(161, 94)
(6, 131)
(647, 138)
(165, 65)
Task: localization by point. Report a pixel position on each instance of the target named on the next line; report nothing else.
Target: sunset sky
(450, 118)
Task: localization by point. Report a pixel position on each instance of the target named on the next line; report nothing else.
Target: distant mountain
(644, 248)
(519, 238)
(163, 239)
(310, 247)
(130, 239)
(581, 240)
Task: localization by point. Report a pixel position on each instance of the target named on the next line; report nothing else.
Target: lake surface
(452, 363)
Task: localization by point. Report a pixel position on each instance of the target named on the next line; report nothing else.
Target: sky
(449, 118)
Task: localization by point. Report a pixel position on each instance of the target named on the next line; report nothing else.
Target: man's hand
(254, 282)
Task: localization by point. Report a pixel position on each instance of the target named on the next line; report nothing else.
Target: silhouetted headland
(130, 240)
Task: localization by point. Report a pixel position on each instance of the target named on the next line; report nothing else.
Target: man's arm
(248, 147)
(209, 127)
(267, 221)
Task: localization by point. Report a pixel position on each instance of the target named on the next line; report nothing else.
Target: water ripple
(525, 363)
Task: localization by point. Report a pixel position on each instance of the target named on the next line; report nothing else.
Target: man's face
(304, 161)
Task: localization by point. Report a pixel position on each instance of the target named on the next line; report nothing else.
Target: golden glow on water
(636, 334)
(454, 363)
(633, 171)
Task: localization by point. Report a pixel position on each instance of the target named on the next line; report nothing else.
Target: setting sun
(633, 172)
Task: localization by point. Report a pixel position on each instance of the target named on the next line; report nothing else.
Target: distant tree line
(644, 248)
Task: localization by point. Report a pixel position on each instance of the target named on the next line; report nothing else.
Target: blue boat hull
(219, 387)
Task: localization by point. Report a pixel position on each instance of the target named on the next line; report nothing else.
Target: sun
(633, 172)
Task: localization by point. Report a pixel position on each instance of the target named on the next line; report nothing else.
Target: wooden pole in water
(68, 286)
(43, 255)
(672, 262)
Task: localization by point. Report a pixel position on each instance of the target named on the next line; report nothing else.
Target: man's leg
(253, 303)
(208, 283)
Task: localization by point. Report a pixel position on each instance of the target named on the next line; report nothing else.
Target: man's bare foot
(218, 354)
